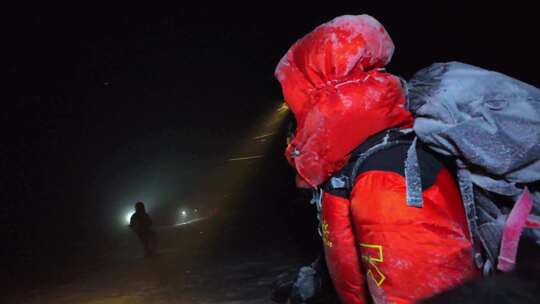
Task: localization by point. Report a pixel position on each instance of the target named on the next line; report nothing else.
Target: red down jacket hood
(332, 80)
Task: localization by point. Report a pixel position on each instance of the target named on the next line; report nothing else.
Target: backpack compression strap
(515, 223)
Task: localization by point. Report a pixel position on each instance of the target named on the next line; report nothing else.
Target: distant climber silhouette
(141, 224)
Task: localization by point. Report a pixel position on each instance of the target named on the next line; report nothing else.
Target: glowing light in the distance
(127, 216)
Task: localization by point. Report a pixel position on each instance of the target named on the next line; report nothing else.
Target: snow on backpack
(488, 124)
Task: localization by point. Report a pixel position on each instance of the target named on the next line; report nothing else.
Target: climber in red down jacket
(377, 247)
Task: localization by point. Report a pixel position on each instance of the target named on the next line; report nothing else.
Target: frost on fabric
(377, 293)
(342, 36)
(377, 42)
(284, 62)
(305, 284)
(413, 178)
(490, 120)
(345, 100)
(326, 81)
(352, 61)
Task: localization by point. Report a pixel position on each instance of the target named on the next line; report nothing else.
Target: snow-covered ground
(206, 262)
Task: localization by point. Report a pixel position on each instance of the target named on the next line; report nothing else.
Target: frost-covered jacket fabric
(377, 247)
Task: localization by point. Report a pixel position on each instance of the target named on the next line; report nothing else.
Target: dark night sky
(106, 99)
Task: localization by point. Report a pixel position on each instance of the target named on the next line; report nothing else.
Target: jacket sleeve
(410, 253)
(340, 249)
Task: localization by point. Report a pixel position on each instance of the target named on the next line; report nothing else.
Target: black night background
(107, 105)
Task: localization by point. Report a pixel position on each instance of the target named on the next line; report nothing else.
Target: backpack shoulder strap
(386, 151)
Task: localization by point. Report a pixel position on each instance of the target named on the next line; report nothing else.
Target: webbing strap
(364, 156)
(467, 195)
(413, 180)
(512, 231)
(316, 199)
